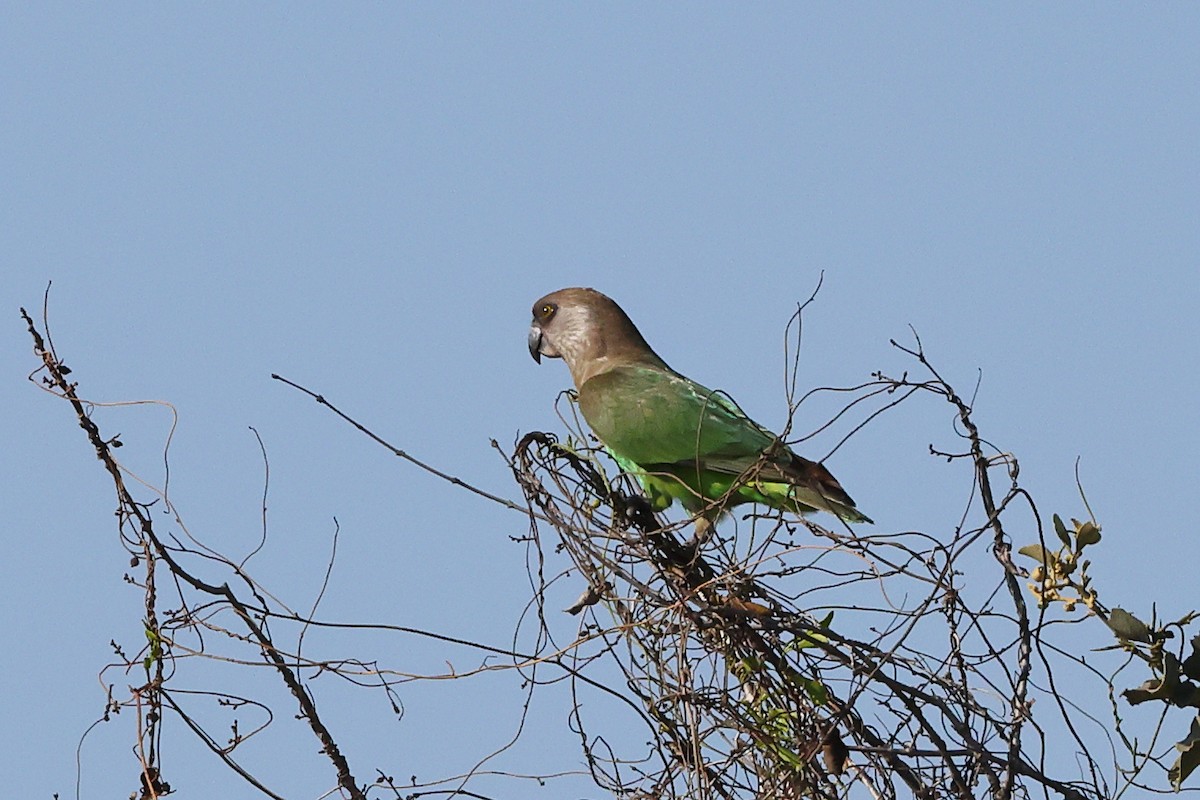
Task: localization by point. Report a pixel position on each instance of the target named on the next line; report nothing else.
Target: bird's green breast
(653, 416)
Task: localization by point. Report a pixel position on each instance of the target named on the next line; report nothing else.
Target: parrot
(679, 440)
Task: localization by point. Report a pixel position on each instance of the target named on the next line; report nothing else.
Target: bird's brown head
(587, 330)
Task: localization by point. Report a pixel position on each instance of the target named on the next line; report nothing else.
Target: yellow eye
(547, 310)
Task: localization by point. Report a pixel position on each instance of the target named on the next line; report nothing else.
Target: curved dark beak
(535, 343)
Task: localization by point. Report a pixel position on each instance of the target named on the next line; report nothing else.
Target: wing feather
(666, 423)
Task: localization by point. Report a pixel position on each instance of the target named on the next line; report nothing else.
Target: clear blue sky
(368, 198)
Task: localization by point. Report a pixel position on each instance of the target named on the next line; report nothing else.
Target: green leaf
(1037, 553)
(779, 721)
(788, 757)
(810, 638)
(1129, 628)
(1061, 530)
(1164, 688)
(1191, 664)
(746, 667)
(1186, 694)
(1189, 756)
(1086, 533)
(1150, 690)
(816, 692)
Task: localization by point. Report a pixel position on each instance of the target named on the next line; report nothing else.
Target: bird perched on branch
(680, 440)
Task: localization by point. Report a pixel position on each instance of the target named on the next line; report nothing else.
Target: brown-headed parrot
(680, 440)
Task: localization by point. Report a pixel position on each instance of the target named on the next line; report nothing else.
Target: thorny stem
(1002, 549)
(135, 513)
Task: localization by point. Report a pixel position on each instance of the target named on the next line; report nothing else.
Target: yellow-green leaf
(1087, 533)
(1127, 627)
(1037, 553)
(1189, 756)
(1061, 530)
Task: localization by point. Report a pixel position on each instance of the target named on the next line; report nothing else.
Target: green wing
(652, 416)
(686, 442)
